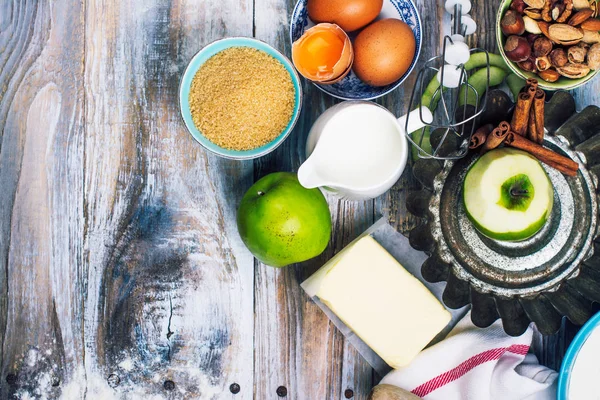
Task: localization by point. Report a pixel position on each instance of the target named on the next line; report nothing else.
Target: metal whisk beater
(444, 81)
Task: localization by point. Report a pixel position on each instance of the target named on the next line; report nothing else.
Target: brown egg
(383, 52)
(350, 15)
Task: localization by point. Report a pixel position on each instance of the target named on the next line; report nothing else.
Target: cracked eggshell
(339, 70)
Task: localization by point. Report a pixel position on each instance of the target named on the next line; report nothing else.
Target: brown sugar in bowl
(244, 117)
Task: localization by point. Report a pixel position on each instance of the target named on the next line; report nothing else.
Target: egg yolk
(320, 52)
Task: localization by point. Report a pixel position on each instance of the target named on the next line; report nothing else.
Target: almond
(549, 75)
(545, 28)
(581, 4)
(534, 13)
(592, 24)
(580, 17)
(574, 71)
(591, 37)
(565, 34)
(535, 3)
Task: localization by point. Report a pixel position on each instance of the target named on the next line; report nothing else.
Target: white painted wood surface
(121, 271)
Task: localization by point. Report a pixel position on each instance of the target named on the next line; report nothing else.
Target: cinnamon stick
(531, 82)
(480, 136)
(531, 125)
(504, 126)
(547, 156)
(539, 102)
(494, 139)
(521, 114)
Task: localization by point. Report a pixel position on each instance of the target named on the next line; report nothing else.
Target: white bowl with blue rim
(184, 94)
(566, 369)
(352, 88)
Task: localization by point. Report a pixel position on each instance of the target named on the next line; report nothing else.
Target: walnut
(593, 57)
(576, 54)
(557, 10)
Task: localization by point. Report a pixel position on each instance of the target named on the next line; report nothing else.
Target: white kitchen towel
(477, 364)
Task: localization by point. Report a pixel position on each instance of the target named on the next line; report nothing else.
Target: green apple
(281, 222)
(507, 194)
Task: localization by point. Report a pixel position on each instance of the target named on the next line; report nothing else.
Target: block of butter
(383, 304)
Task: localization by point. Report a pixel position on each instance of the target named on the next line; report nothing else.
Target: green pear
(281, 222)
(507, 195)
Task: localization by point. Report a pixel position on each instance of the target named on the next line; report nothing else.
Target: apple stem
(519, 192)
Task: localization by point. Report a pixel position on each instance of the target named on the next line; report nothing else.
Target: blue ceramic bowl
(184, 93)
(568, 362)
(352, 88)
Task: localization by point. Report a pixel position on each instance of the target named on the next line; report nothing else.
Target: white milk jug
(358, 149)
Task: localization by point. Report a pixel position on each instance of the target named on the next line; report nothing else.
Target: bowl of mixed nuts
(554, 41)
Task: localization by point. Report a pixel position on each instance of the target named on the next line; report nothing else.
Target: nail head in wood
(11, 379)
(113, 380)
(281, 391)
(349, 393)
(169, 385)
(234, 388)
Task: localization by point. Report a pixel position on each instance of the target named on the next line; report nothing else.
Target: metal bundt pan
(556, 273)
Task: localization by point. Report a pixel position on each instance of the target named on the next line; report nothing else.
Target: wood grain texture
(296, 347)
(173, 289)
(41, 203)
(121, 271)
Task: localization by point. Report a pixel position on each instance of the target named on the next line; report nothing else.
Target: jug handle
(417, 119)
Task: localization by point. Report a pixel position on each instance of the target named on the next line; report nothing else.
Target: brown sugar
(242, 98)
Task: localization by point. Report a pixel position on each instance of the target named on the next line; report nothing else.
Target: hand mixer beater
(447, 81)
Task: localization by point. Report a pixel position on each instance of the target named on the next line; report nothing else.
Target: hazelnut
(576, 54)
(558, 57)
(528, 65)
(531, 37)
(593, 57)
(517, 48)
(542, 47)
(518, 5)
(512, 23)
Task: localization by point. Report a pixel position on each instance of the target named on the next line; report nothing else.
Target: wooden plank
(170, 288)
(297, 348)
(392, 205)
(41, 120)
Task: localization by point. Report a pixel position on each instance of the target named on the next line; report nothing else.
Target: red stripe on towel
(464, 367)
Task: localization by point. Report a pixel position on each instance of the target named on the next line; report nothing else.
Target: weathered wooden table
(121, 271)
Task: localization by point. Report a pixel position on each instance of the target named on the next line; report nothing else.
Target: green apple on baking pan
(507, 195)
